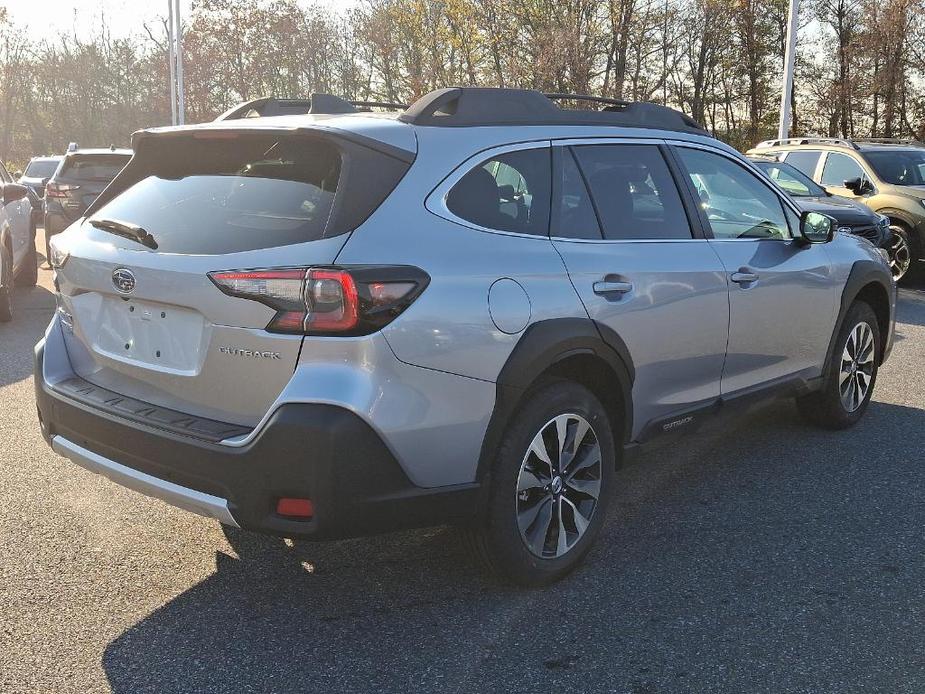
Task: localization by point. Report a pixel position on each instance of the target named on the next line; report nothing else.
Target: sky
(47, 18)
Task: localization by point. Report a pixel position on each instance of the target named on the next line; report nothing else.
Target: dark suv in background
(81, 176)
(887, 175)
(36, 175)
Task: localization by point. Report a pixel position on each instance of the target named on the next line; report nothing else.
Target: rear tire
(545, 509)
(850, 375)
(28, 274)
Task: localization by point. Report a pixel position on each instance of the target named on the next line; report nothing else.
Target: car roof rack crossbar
(811, 140)
(317, 103)
(474, 106)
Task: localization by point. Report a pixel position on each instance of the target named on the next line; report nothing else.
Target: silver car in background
(338, 323)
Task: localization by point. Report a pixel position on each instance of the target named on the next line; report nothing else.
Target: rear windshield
(41, 169)
(93, 167)
(218, 196)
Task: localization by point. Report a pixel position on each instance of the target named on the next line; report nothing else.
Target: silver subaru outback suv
(338, 323)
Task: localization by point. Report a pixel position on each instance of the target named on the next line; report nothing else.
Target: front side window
(840, 168)
(804, 160)
(736, 203)
(634, 192)
(898, 167)
(509, 192)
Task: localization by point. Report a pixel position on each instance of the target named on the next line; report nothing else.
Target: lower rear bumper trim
(174, 494)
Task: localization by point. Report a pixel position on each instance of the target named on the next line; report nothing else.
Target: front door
(782, 297)
(640, 271)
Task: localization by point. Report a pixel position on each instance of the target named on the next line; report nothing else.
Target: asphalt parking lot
(760, 555)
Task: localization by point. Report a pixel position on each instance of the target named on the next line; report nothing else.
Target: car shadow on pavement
(762, 550)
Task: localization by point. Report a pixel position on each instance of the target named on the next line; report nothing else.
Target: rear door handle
(744, 277)
(613, 287)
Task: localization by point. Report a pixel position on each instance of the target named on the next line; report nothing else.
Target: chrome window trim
(435, 202)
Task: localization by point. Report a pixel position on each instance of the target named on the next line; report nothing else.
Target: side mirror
(17, 175)
(13, 192)
(854, 185)
(816, 227)
(45, 181)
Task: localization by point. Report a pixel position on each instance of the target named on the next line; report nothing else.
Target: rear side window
(509, 192)
(634, 192)
(576, 217)
(93, 167)
(840, 168)
(805, 160)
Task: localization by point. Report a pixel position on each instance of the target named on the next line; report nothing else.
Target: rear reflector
(301, 509)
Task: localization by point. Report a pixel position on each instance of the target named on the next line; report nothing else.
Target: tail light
(327, 300)
(59, 190)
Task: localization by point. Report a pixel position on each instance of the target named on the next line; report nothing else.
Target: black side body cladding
(863, 274)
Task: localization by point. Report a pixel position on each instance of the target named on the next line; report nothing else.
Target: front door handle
(742, 277)
(613, 287)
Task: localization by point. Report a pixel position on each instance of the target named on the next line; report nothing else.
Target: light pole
(175, 57)
(789, 55)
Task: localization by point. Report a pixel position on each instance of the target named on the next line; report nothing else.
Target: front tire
(903, 251)
(851, 373)
(550, 485)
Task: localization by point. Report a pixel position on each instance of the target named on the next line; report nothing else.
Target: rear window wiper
(126, 230)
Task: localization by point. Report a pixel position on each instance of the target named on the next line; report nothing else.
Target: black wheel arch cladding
(542, 346)
(866, 274)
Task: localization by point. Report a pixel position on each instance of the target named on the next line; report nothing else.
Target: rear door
(782, 296)
(149, 323)
(643, 270)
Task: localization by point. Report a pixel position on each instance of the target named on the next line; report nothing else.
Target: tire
(843, 398)
(903, 251)
(28, 274)
(549, 497)
(6, 292)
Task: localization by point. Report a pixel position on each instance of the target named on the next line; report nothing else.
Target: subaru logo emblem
(123, 280)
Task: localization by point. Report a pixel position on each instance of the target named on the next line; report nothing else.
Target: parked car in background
(18, 261)
(887, 175)
(38, 171)
(81, 176)
(851, 217)
(337, 324)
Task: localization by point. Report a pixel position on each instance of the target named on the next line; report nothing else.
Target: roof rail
(890, 141)
(318, 103)
(473, 106)
(811, 140)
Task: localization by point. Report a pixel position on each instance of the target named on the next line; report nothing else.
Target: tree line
(860, 66)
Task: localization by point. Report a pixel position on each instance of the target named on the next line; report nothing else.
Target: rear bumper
(305, 450)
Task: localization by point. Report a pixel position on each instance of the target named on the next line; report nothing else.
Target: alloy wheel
(558, 486)
(857, 367)
(900, 255)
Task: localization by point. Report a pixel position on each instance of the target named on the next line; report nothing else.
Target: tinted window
(794, 181)
(41, 169)
(840, 168)
(737, 204)
(509, 192)
(577, 219)
(93, 167)
(805, 160)
(634, 192)
(899, 167)
(213, 198)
